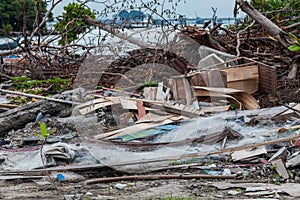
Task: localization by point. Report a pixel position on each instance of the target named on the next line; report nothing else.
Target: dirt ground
(154, 189)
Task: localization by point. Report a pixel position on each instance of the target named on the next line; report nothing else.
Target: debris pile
(226, 112)
(205, 121)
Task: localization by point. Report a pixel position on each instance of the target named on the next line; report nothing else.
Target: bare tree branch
(267, 24)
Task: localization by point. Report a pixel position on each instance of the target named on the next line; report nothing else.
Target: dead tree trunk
(267, 24)
(19, 117)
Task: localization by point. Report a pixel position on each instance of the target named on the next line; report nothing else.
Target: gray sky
(192, 8)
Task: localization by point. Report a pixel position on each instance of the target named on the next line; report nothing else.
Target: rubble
(149, 132)
(205, 121)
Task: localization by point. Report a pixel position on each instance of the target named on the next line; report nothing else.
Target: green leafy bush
(72, 22)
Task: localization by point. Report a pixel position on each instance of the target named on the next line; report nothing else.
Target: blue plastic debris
(60, 177)
(39, 117)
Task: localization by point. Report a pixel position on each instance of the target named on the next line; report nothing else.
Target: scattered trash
(120, 186)
(60, 177)
(205, 119)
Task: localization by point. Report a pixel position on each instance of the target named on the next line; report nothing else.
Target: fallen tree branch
(156, 177)
(4, 75)
(19, 117)
(292, 25)
(39, 97)
(117, 33)
(267, 24)
(238, 53)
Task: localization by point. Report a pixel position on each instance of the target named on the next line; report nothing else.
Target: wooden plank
(268, 78)
(243, 78)
(14, 177)
(91, 102)
(151, 117)
(249, 86)
(208, 78)
(241, 73)
(293, 161)
(130, 104)
(236, 96)
(5, 105)
(95, 104)
(92, 108)
(247, 153)
(280, 168)
(182, 90)
(160, 92)
(188, 92)
(267, 74)
(150, 93)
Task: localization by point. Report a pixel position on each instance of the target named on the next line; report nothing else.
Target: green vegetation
(272, 5)
(281, 12)
(232, 106)
(43, 129)
(272, 167)
(54, 85)
(175, 162)
(12, 14)
(296, 46)
(149, 84)
(72, 22)
(46, 87)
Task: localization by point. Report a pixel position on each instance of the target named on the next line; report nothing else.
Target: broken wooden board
(150, 93)
(267, 74)
(90, 106)
(185, 110)
(182, 91)
(293, 161)
(208, 78)
(94, 104)
(94, 107)
(178, 109)
(247, 153)
(243, 78)
(280, 168)
(280, 154)
(130, 104)
(237, 96)
(151, 117)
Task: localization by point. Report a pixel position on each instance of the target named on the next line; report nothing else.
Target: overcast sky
(192, 8)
